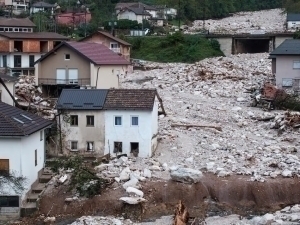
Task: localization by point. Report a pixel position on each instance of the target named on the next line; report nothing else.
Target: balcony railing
(50, 81)
(116, 50)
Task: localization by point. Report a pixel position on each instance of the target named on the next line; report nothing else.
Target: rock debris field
(245, 22)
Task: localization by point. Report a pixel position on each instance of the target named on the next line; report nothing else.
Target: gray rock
(186, 175)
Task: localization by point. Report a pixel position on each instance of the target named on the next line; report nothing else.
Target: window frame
(35, 157)
(118, 125)
(287, 80)
(4, 59)
(67, 55)
(71, 143)
(298, 64)
(16, 59)
(15, 199)
(115, 142)
(90, 150)
(93, 120)
(31, 63)
(71, 120)
(131, 121)
(41, 135)
(5, 171)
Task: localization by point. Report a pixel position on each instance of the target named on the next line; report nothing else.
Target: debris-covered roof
(135, 99)
(34, 35)
(82, 99)
(288, 47)
(93, 52)
(293, 17)
(17, 122)
(16, 22)
(109, 36)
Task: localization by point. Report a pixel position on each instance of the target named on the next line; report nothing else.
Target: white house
(135, 14)
(131, 122)
(42, 6)
(9, 82)
(22, 153)
(293, 21)
(115, 121)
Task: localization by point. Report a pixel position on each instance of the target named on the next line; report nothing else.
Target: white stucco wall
(293, 24)
(83, 133)
(5, 97)
(21, 155)
(126, 133)
(24, 59)
(127, 15)
(284, 68)
(107, 76)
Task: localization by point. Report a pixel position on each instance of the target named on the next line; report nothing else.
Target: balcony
(79, 82)
(116, 50)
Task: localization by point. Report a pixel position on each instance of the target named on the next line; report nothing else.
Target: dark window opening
(118, 120)
(90, 146)
(0, 96)
(90, 120)
(74, 145)
(35, 157)
(10, 29)
(31, 61)
(18, 46)
(44, 46)
(118, 147)
(67, 56)
(1, 29)
(9, 201)
(134, 148)
(4, 60)
(16, 73)
(17, 61)
(74, 120)
(25, 72)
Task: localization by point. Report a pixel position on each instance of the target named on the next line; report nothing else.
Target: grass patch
(174, 48)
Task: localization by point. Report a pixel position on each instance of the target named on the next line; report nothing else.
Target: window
(4, 166)
(31, 61)
(9, 201)
(35, 157)
(296, 65)
(10, 29)
(134, 148)
(41, 135)
(74, 146)
(0, 96)
(117, 147)
(4, 61)
(1, 29)
(67, 57)
(90, 146)
(89, 120)
(74, 120)
(287, 82)
(118, 120)
(134, 120)
(114, 45)
(17, 61)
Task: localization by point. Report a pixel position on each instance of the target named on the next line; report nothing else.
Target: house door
(73, 76)
(61, 76)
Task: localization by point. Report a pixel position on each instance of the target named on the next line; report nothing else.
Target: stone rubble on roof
(245, 22)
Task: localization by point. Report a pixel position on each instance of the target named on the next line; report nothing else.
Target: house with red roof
(79, 65)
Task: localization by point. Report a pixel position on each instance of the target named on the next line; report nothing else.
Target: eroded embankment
(213, 196)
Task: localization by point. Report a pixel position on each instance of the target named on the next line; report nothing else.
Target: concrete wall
(5, 97)
(107, 76)
(225, 45)
(83, 133)
(47, 68)
(284, 68)
(126, 133)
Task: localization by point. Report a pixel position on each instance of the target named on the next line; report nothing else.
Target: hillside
(174, 48)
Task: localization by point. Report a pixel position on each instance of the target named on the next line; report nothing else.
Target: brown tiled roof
(16, 22)
(135, 99)
(34, 35)
(93, 52)
(17, 122)
(109, 36)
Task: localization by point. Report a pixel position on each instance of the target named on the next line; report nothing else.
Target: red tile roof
(94, 52)
(33, 35)
(109, 36)
(135, 99)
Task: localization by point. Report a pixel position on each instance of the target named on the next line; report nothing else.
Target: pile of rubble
(265, 21)
(30, 97)
(211, 94)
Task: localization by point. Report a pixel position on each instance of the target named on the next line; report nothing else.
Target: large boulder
(186, 175)
(132, 200)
